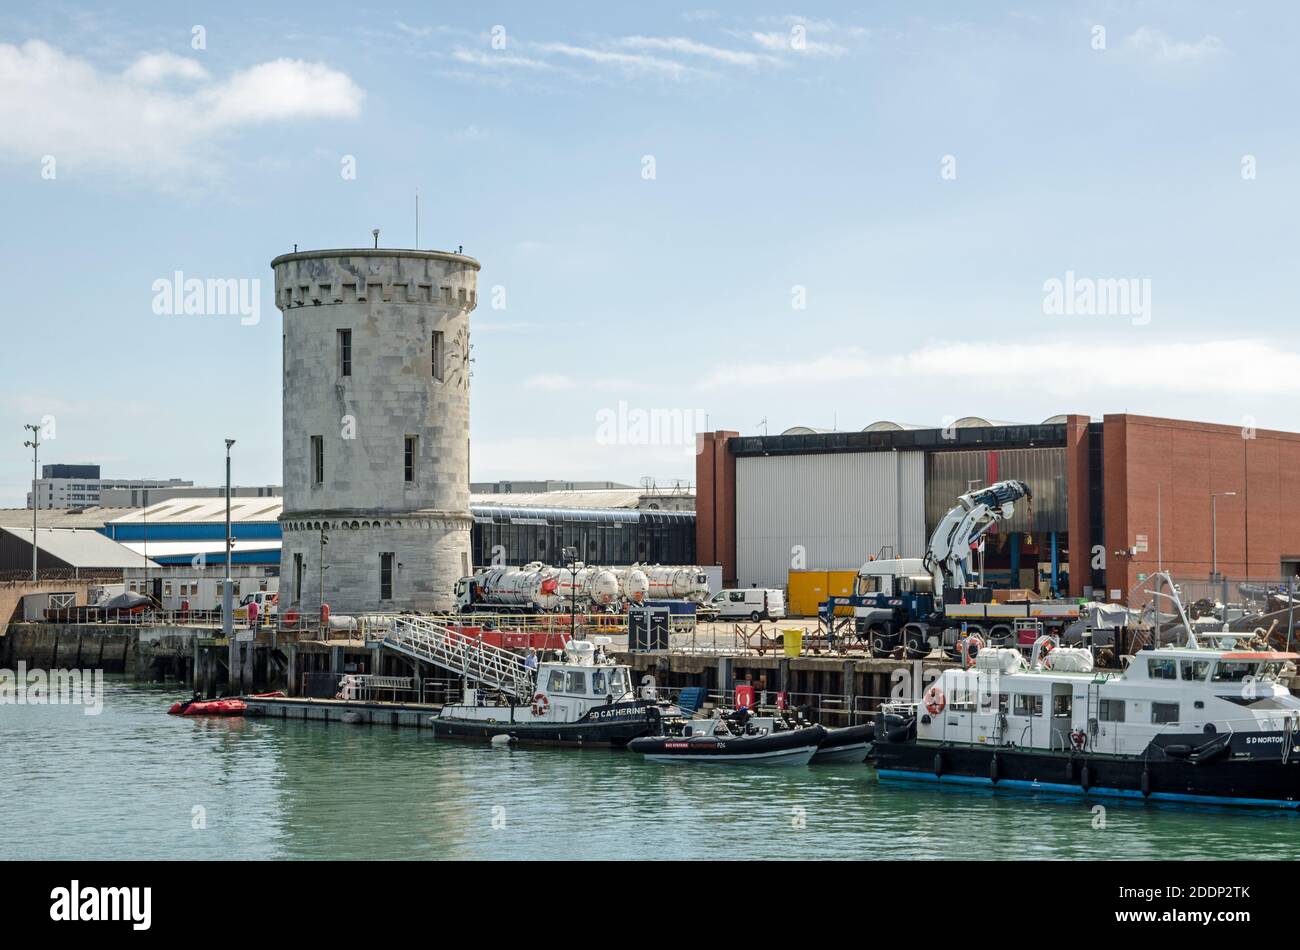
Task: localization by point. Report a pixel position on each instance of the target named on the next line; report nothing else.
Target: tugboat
(1206, 722)
(734, 739)
(581, 700)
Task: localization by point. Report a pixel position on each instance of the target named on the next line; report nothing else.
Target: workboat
(744, 740)
(581, 699)
(1208, 721)
(208, 707)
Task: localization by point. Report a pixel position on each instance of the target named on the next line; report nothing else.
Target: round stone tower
(376, 428)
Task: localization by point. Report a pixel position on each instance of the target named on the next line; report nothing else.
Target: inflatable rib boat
(713, 742)
(208, 707)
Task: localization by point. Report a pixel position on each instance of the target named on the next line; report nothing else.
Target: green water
(126, 784)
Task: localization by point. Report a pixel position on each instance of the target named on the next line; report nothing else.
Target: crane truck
(921, 603)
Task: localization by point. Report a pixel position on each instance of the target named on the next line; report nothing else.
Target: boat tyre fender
(1210, 751)
(1146, 783)
(938, 764)
(935, 701)
(540, 704)
(993, 769)
(1085, 778)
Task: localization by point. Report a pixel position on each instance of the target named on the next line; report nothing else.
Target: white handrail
(452, 650)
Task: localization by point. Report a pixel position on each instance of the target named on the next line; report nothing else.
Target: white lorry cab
(756, 603)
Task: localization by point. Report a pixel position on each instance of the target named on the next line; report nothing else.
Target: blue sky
(913, 174)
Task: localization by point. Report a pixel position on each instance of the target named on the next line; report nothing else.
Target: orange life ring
(540, 704)
(935, 701)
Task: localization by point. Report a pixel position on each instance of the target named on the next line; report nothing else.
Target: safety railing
(471, 658)
(825, 708)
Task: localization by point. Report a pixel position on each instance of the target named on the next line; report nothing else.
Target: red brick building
(1113, 500)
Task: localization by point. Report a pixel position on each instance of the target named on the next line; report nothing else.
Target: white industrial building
(822, 512)
(81, 486)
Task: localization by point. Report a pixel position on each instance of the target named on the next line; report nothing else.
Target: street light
(1214, 531)
(320, 608)
(571, 555)
(228, 588)
(34, 443)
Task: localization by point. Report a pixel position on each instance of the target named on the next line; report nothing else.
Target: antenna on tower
(417, 219)
(375, 232)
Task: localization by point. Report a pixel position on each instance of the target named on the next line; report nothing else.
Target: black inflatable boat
(713, 742)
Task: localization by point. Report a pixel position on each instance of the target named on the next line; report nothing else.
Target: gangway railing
(491, 667)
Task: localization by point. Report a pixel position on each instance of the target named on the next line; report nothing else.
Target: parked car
(756, 603)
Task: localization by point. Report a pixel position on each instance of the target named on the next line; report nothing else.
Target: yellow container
(792, 639)
(806, 589)
(809, 589)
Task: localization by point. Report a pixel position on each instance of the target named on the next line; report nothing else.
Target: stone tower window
(317, 460)
(345, 352)
(386, 576)
(437, 355)
(412, 454)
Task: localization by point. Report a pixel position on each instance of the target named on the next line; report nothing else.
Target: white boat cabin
(1057, 701)
(565, 690)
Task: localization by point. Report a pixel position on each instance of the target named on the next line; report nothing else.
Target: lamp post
(1214, 531)
(228, 587)
(34, 443)
(320, 607)
(571, 555)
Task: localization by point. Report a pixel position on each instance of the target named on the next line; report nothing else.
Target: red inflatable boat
(209, 707)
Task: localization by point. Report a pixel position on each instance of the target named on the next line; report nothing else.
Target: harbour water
(136, 783)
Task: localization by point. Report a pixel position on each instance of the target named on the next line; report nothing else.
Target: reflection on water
(136, 783)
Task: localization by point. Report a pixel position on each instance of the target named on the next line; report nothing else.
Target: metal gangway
(490, 667)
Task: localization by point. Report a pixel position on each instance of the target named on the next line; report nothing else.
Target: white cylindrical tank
(602, 587)
(376, 427)
(533, 586)
(633, 585)
(594, 586)
(676, 583)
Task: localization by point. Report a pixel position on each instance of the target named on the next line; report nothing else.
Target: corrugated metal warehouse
(820, 512)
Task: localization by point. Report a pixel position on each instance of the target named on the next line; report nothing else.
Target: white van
(756, 603)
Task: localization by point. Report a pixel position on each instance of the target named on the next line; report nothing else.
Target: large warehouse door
(833, 510)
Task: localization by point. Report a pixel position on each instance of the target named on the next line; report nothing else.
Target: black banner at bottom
(232, 901)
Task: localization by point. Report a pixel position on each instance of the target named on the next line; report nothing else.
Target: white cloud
(1155, 45)
(497, 60)
(162, 112)
(680, 44)
(629, 62)
(550, 382)
(1066, 369)
(786, 41)
(283, 89)
(156, 67)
